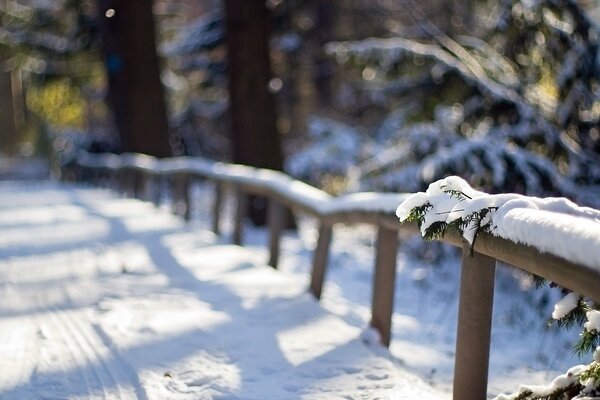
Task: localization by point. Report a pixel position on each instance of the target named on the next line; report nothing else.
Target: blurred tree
(134, 88)
(54, 67)
(256, 140)
(10, 96)
(8, 127)
(323, 69)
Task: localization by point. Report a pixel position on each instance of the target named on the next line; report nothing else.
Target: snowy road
(109, 298)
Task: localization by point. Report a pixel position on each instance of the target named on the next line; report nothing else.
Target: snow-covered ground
(106, 297)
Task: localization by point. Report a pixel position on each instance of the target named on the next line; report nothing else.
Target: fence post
(276, 220)
(181, 197)
(217, 208)
(148, 186)
(157, 188)
(320, 259)
(122, 181)
(138, 184)
(474, 326)
(384, 281)
(240, 214)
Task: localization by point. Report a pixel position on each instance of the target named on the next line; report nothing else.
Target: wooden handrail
(478, 262)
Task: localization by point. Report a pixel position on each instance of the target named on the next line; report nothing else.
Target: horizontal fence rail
(140, 175)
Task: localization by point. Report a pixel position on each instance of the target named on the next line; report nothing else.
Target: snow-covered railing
(532, 231)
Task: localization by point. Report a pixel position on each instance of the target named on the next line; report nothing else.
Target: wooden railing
(138, 174)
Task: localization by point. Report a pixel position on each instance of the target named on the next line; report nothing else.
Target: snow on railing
(554, 239)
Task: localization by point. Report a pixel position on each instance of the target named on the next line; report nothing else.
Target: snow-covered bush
(554, 225)
(332, 151)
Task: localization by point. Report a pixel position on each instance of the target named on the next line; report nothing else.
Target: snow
(565, 306)
(552, 225)
(571, 237)
(334, 149)
(107, 297)
(278, 183)
(559, 382)
(593, 321)
(365, 202)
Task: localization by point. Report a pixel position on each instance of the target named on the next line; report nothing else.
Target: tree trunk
(256, 140)
(323, 68)
(135, 92)
(8, 129)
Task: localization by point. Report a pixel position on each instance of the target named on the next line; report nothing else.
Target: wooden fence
(138, 174)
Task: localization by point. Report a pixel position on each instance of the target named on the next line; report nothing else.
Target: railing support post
(320, 259)
(240, 214)
(182, 197)
(384, 281)
(276, 220)
(145, 185)
(137, 184)
(474, 326)
(157, 186)
(123, 181)
(217, 208)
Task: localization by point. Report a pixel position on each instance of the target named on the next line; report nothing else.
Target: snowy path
(108, 298)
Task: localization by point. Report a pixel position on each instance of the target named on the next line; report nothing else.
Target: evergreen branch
(458, 224)
(418, 213)
(457, 193)
(446, 212)
(593, 372)
(437, 230)
(587, 343)
(538, 281)
(561, 393)
(576, 316)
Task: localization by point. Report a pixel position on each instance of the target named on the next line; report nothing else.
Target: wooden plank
(384, 282)
(276, 214)
(474, 326)
(319, 266)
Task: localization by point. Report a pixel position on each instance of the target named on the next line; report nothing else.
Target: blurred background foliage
(372, 95)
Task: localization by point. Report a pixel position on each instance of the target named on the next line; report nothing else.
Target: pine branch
(437, 230)
(418, 213)
(593, 372)
(587, 343)
(559, 394)
(538, 281)
(575, 317)
(457, 194)
(446, 212)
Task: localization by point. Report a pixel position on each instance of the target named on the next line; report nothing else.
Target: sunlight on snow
(312, 339)
(417, 355)
(119, 207)
(44, 236)
(41, 215)
(24, 199)
(143, 319)
(52, 267)
(159, 222)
